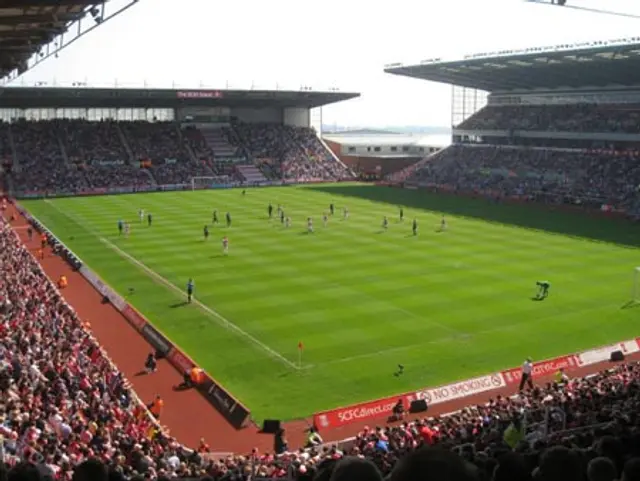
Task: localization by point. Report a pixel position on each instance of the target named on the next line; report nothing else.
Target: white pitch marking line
(213, 314)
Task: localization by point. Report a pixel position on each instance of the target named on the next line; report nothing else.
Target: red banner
(134, 317)
(542, 368)
(360, 412)
(180, 361)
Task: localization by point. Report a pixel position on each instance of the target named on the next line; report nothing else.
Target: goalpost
(203, 182)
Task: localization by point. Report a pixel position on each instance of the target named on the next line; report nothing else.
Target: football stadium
(199, 284)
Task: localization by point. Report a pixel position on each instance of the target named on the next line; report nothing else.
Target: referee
(527, 369)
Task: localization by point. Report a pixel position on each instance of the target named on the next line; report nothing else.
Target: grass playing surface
(446, 305)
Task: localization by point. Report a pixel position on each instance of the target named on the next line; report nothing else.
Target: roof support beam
(60, 19)
(35, 33)
(46, 3)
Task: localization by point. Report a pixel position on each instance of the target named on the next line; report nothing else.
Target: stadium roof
(592, 64)
(26, 26)
(421, 140)
(59, 97)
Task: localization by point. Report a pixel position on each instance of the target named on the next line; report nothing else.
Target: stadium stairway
(123, 140)
(185, 144)
(63, 149)
(152, 179)
(217, 140)
(251, 174)
(190, 152)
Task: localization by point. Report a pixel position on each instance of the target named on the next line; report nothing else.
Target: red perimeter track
(187, 415)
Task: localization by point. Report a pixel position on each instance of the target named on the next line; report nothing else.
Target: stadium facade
(374, 155)
(599, 72)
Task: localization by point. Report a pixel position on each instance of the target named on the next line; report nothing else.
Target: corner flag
(300, 348)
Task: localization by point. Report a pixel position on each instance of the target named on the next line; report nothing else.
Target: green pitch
(447, 305)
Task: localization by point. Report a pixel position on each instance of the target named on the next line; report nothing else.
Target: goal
(206, 182)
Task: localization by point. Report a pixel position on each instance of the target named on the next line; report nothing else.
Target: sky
(330, 44)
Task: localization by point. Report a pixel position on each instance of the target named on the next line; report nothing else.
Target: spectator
(433, 464)
(631, 471)
(352, 468)
(601, 469)
(90, 470)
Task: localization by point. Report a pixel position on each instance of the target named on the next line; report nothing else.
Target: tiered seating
(5, 146)
(198, 143)
(180, 172)
(154, 141)
(251, 174)
(61, 399)
(42, 167)
(105, 176)
(92, 142)
(267, 140)
(298, 151)
(577, 176)
(217, 139)
(317, 163)
(621, 118)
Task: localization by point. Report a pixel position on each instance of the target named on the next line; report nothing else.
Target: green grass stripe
(447, 305)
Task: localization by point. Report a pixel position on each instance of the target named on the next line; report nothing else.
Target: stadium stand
(538, 139)
(67, 413)
(581, 117)
(86, 155)
(92, 142)
(39, 161)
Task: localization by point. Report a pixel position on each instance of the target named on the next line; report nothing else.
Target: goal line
(208, 182)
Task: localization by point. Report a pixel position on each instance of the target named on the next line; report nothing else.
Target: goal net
(208, 182)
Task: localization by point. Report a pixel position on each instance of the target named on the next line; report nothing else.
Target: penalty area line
(212, 314)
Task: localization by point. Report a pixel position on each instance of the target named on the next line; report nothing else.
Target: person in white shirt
(527, 370)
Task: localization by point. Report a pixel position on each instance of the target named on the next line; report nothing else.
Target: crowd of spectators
(92, 142)
(298, 151)
(194, 138)
(5, 145)
(154, 141)
(97, 157)
(105, 176)
(181, 172)
(61, 400)
(40, 162)
(317, 163)
(618, 118)
(576, 176)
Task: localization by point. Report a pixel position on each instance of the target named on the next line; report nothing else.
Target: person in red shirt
(203, 447)
(427, 434)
